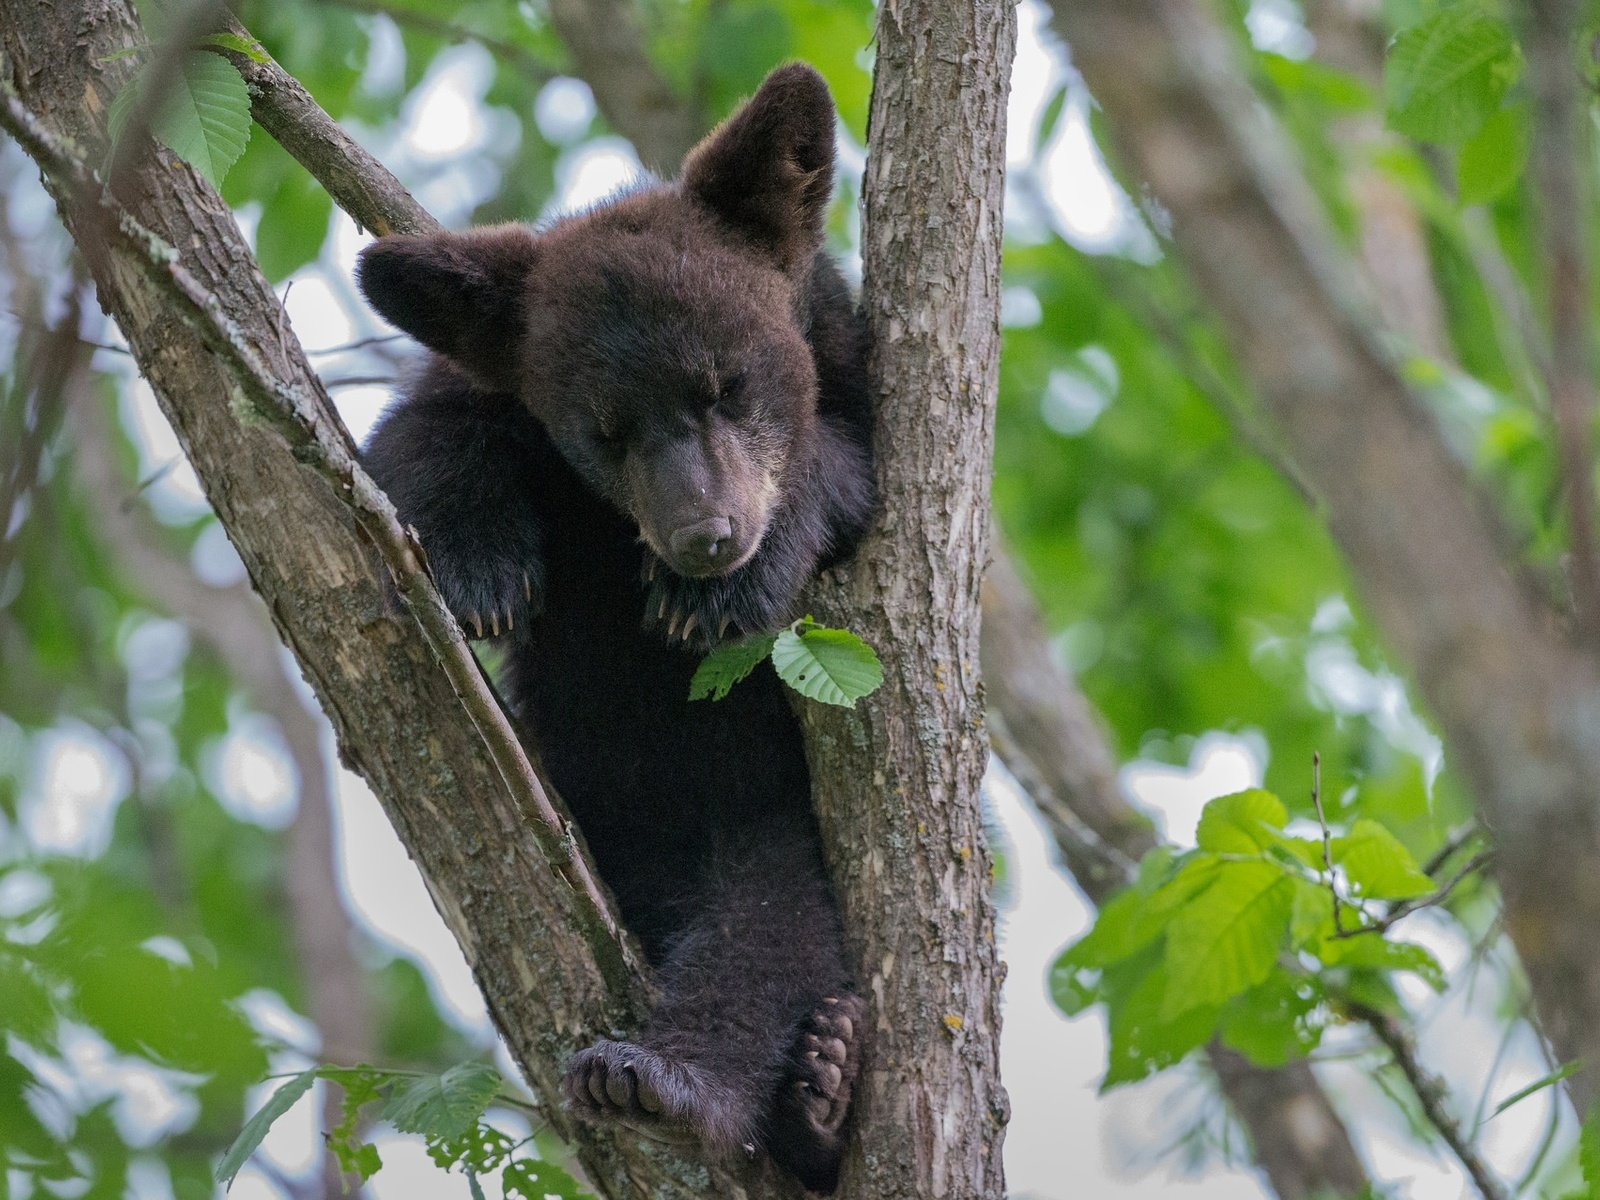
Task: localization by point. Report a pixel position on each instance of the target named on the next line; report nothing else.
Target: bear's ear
(767, 170)
(461, 294)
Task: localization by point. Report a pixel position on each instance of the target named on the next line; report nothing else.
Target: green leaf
(1445, 76)
(727, 665)
(361, 1086)
(1074, 989)
(1243, 823)
(535, 1179)
(1493, 159)
(1277, 1022)
(1134, 918)
(1312, 918)
(1143, 1038)
(204, 118)
(248, 47)
(256, 1127)
(443, 1106)
(1378, 865)
(1376, 953)
(832, 666)
(1538, 1085)
(1228, 938)
(293, 226)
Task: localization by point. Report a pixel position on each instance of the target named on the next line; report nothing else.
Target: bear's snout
(704, 547)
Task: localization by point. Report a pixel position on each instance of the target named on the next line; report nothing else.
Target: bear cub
(642, 430)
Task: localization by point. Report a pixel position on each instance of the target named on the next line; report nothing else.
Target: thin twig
(1431, 1093)
(1431, 900)
(1327, 841)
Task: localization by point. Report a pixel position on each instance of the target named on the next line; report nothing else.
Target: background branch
(1432, 561)
(1562, 145)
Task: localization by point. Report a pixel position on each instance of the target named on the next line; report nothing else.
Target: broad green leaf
(727, 665)
(1132, 919)
(535, 1179)
(1228, 938)
(833, 666)
(1538, 1085)
(1312, 916)
(293, 226)
(446, 1105)
(1143, 1038)
(1493, 159)
(1378, 866)
(280, 1102)
(1074, 989)
(1445, 76)
(204, 118)
(1243, 823)
(1377, 953)
(1276, 1022)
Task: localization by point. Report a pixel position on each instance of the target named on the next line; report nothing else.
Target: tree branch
(357, 181)
(607, 47)
(1431, 1092)
(1428, 553)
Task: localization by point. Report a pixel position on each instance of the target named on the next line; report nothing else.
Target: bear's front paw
(489, 589)
(648, 1092)
(703, 612)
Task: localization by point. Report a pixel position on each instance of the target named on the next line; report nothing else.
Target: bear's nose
(701, 541)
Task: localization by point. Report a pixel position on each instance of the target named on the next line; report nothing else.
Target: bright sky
(1064, 1140)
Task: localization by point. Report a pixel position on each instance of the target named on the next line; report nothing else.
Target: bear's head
(660, 338)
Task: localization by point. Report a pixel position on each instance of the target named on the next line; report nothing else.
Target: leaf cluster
(447, 1110)
(1239, 940)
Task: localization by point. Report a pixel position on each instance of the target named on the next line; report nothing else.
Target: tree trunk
(896, 780)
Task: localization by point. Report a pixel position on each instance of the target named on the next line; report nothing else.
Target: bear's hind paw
(649, 1093)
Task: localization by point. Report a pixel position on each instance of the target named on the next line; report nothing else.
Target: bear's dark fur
(681, 367)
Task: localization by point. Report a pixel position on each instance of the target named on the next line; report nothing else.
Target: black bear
(643, 429)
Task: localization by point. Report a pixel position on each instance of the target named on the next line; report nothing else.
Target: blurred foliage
(1191, 585)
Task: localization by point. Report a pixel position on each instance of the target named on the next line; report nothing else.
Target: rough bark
(1518, 700)
(896, 780)
(1049, 737)
(528, 932)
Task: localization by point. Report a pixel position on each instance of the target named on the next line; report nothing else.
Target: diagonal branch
(1431, 1092)
(1429, 554)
